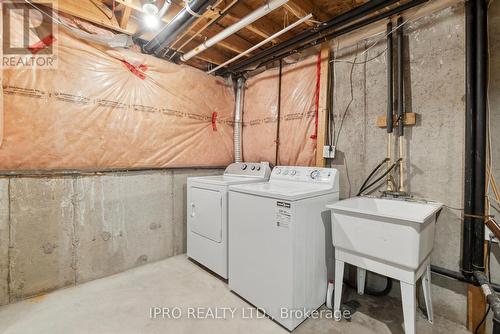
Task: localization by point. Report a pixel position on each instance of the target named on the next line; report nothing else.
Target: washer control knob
(244, 166)
(278, 171)
(315, 174)
(252, 168)
(293, 172)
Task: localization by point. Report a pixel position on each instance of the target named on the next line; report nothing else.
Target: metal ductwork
(238, 115)
(179, 23)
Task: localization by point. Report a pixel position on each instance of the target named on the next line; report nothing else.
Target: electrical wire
(374, 171)
(353, 61)
(361, 62)
(495, 208)
(385, 33)
(453, 208)
(350, 101)
(395, 164)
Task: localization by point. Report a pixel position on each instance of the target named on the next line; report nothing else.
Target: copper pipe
(401, 165)
(390, 179)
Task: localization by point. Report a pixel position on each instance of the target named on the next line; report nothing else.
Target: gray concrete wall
(494, 103)
(62, 231)
(435, 89)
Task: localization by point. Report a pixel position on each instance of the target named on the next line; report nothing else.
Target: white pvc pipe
(267, 40)
(249, 19)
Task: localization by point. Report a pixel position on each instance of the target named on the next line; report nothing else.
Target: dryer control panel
(306, 174)
(251, 169)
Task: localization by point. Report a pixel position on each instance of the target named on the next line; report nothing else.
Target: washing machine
(207, 212)
(279, 241)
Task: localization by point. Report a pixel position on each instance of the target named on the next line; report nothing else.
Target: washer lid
(291, 191)
(224, 180)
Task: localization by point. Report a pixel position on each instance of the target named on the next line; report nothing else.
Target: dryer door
(205, 213)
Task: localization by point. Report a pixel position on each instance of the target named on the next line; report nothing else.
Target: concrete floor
(122, 304)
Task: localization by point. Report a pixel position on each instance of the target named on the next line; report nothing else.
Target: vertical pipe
(390, 101)
(401, 112)
(399, 35)
(276, 160)
(470, 136)
(390, 80)
(238, 113)
(480, 144)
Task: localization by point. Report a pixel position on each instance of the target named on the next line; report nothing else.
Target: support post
(476, 306)
(323, 105)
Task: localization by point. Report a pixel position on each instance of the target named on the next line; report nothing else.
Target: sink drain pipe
(390, 105)
(491, 298)
(401, 105)
(458, 276)
(475, 137)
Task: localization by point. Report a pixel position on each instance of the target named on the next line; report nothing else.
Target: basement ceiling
(127, 16)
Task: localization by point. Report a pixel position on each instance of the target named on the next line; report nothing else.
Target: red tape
(316, 96)
(138, 71)
(214, 121)
(43, 44)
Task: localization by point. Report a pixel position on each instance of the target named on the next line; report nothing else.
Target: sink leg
(426, 284)
(339, 279)
(361, 280)
(409, 299)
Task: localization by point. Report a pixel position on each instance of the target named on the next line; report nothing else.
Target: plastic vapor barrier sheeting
(298, 112)
(114, 108)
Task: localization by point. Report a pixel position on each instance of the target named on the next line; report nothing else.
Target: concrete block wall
(435, 90)
(62, 231)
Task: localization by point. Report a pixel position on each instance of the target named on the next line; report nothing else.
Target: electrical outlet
(329, 152)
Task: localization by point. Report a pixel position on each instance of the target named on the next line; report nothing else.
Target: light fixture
(149, 7)
(151, 19)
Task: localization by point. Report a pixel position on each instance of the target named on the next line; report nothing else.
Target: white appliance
(396, 241)
(279, 237)
(207, 212)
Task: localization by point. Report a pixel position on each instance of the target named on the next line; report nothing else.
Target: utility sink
(396, 232)
(393, 238)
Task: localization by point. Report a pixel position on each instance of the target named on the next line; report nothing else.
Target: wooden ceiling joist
(264, 27)
(128, 15)
(125, 16)
(301, 8)
(202, 22)
(87, 10)
(198, 27)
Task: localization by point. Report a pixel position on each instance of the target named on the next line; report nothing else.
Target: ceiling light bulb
(150, 9)
(151, 21)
